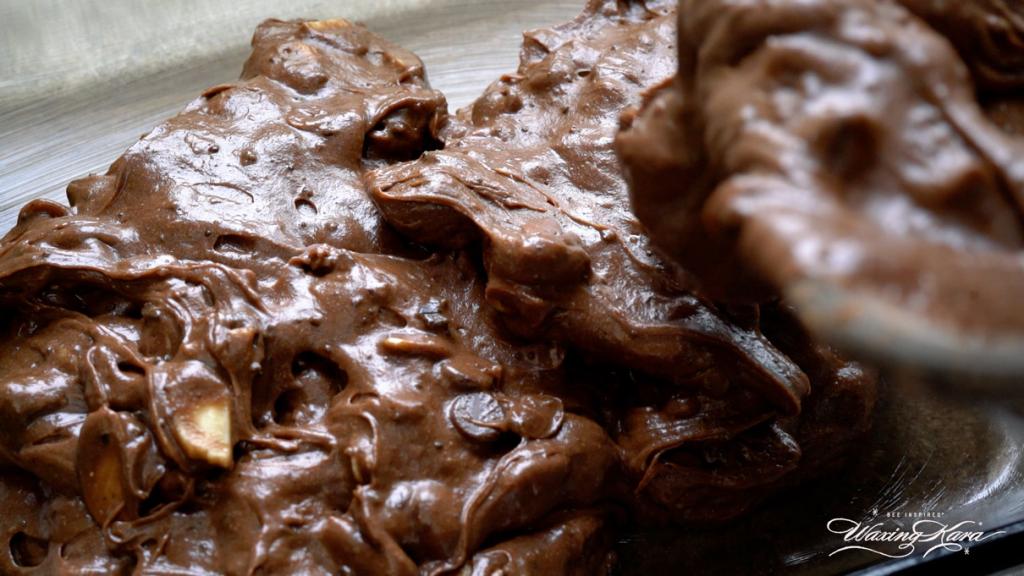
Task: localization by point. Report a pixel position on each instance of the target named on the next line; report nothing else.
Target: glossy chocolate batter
(529, 173)
(841, 141)
(220, 359)
(211, 363)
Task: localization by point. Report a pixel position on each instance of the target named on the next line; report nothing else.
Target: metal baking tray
(81, 80)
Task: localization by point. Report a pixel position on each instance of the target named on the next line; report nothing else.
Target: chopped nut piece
(101, 467)
(416, 345)
(204, 432)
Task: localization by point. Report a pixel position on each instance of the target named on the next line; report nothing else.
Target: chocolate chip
(477, 416)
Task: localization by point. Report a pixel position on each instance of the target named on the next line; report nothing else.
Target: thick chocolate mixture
(530, 175)
(842, 141)
(210, 364)
(220, 359)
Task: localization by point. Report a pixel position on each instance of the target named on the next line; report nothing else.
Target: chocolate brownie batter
(221, 359)
(841, 141)
(211, 363)
(529, 174)
(529, 169)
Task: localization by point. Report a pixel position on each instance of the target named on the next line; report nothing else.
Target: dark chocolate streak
(221, 359)
(988, 34)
